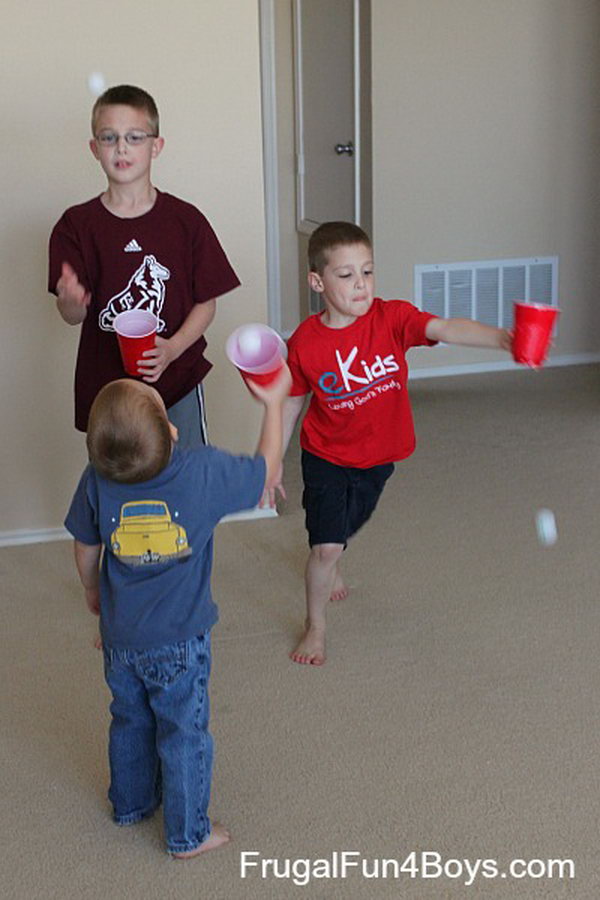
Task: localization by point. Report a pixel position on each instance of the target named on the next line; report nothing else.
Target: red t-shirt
(359, 414)
(165, 261)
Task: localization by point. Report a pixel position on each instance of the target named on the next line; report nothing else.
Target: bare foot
(339, 590)
(218, 836)
(311, 648)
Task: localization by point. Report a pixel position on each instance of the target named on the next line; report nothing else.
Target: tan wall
(486, 126)
(485, 144)
(200, 60)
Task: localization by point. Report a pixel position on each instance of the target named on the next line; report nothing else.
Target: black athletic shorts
(338, 500)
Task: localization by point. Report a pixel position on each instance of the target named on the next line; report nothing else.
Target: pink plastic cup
(532, 332)
(136, 332)
(260, 357)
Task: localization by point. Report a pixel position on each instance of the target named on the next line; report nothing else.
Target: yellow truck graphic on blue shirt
(147, 534)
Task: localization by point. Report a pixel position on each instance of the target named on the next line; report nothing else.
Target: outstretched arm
(469, 333)
(270, 442)
(292, 409)
(87, 560)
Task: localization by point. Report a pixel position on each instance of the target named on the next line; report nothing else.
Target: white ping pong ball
(249, 341)
(96, 83)
(545, 524)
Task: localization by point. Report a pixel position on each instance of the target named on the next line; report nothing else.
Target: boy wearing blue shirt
(149, 511)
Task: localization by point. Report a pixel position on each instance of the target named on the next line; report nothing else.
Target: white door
(327, 97)
(306, 180)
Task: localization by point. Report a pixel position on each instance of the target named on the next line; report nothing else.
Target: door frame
(304, 225)
(271, 171)
(270, 160)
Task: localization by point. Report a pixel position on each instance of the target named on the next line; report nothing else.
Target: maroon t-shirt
(165, 261)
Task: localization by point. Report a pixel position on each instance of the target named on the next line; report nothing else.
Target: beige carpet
(458, 713)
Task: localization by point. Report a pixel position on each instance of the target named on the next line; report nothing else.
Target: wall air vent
(486, 291)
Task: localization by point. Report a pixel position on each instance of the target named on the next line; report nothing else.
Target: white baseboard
(41, 536)
(12, 538)
(257, 512)
(44, 535)
(576, 359)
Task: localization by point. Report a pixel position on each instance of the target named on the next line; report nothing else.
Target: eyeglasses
(132, 138)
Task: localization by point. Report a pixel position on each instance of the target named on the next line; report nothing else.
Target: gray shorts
(189, 417)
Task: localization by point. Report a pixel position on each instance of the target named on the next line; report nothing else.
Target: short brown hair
(330, 235)
(129, 438)
(128, 95)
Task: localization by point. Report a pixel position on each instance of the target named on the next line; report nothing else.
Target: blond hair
(129, 437)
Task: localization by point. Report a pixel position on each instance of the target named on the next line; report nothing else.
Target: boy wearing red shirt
(351, 359)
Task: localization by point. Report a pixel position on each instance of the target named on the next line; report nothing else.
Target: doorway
(316, 134)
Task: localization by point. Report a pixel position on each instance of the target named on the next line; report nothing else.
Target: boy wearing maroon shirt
(351, 359)
(137, 247)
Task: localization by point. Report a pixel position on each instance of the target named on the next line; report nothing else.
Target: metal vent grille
(486, 291)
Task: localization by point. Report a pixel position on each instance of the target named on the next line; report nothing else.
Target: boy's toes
(307, 659)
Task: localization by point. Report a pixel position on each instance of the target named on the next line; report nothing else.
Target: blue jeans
(159, 744)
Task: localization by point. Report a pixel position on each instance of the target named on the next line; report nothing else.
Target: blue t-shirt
(158, 542)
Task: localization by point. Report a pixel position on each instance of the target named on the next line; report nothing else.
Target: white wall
(486, 127)
(486, 130)
(200, 60)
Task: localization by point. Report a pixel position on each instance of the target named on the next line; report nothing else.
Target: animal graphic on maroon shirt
(146, 290)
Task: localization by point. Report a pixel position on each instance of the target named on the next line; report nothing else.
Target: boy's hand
(92, 598)
(72, 298)
(154, 362)
(276, 391)
(270, 494)
(506, 339)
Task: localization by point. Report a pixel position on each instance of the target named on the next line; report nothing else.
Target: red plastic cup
(136, 332)
(257, 352)
(532, 332)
